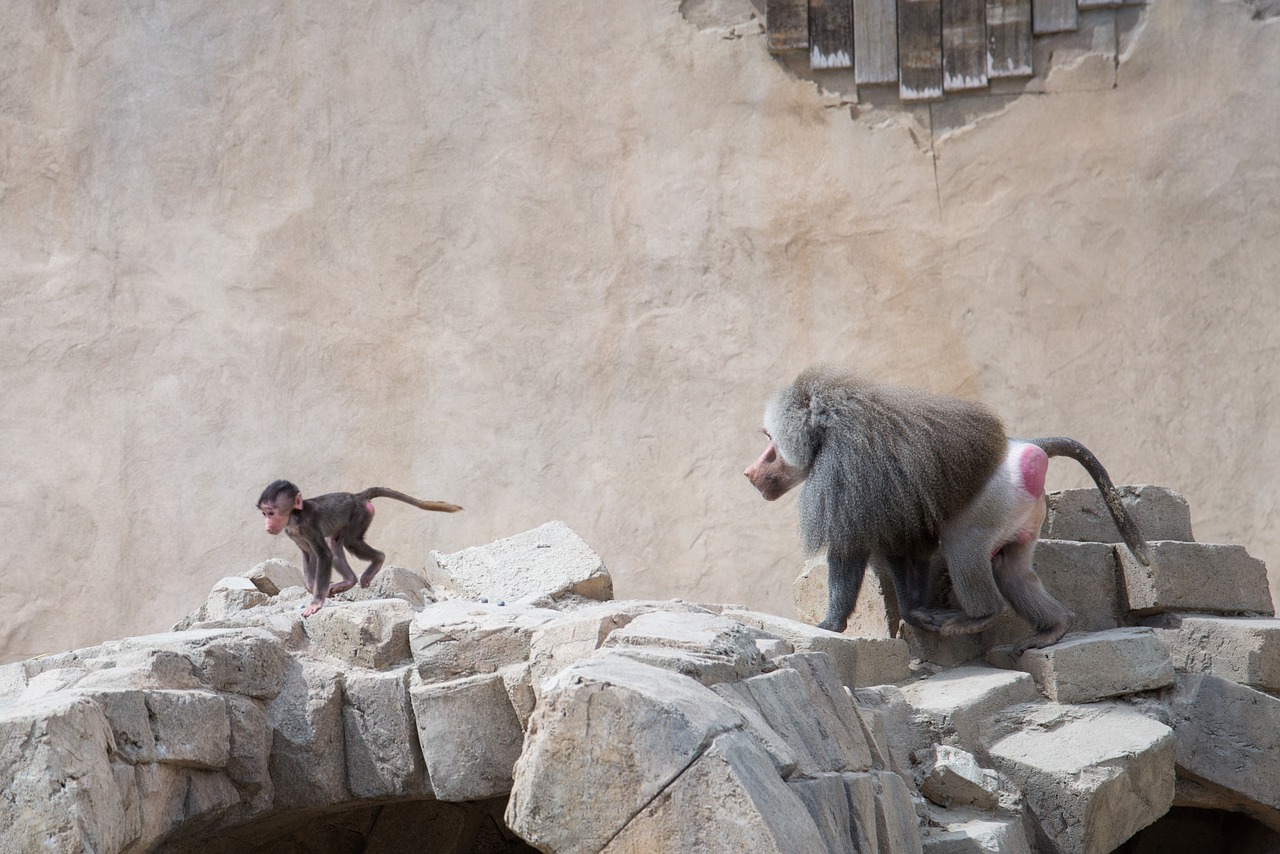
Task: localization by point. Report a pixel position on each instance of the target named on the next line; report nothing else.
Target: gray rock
(58, 785)
(954, 778)
(705, 647)
(240, 661)
(958, 705)
(973, 832)
(810, 712)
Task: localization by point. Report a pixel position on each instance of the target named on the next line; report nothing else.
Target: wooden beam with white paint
(1008, 38)
(964, 45)
(920, 50)
(830, 34)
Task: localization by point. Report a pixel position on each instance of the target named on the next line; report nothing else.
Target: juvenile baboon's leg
(364, 551)
(1022, 587)
(323, 560)
(844, 581)
(344, 568)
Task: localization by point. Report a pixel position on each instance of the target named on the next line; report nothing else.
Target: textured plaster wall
(548, 259)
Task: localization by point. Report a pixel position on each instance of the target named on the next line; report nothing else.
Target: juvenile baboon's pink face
(773, 475)
(277, 514)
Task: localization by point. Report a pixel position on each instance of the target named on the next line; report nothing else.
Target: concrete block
(308, 756)
(968, 831)
(189, 728)
(469, 734)
(810, 712)
(1080, 575)
(1228, 735)
(958, 704)
(372, 634)
(240, 661)
(550, 560)
(706, 647)
(631, 730)
(1219, 579)
(1092, 778)
(1080, 514)
(1242, 649)
(1083, 668)
(272, 576)
(453, 639)
(571, 636)
(953, 777)
(756, 811)
(875, 615)
(384, 759)
(860, 661)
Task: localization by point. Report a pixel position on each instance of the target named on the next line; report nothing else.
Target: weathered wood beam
(964, 45)
(1009, 38)
(830, 34)
(920, 50)
(1053, 16)
(786, 25)
(875, 41)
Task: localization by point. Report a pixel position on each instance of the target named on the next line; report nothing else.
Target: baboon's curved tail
(383, 492)
(1062, 446)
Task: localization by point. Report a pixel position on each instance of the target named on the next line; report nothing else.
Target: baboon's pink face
(276, 514)
(773, 475)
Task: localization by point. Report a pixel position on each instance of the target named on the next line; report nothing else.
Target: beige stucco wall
(548, 259)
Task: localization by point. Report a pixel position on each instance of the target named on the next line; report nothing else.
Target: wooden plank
(830, 34)
(787, 25)
(964, 45)
(920, 50)
(1053, 16)
(1008, 38)
(875, 41)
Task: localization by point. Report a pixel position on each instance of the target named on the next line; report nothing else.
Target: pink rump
(368, 505)
(1032, 466)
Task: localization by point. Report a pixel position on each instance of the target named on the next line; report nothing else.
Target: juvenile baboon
(327, 525)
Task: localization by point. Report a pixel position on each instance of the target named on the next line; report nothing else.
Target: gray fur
(886, 465)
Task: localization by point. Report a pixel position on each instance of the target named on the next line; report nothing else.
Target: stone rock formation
(511, 705)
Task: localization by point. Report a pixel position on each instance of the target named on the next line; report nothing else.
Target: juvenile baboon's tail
(383, 492)
(1061, 446)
